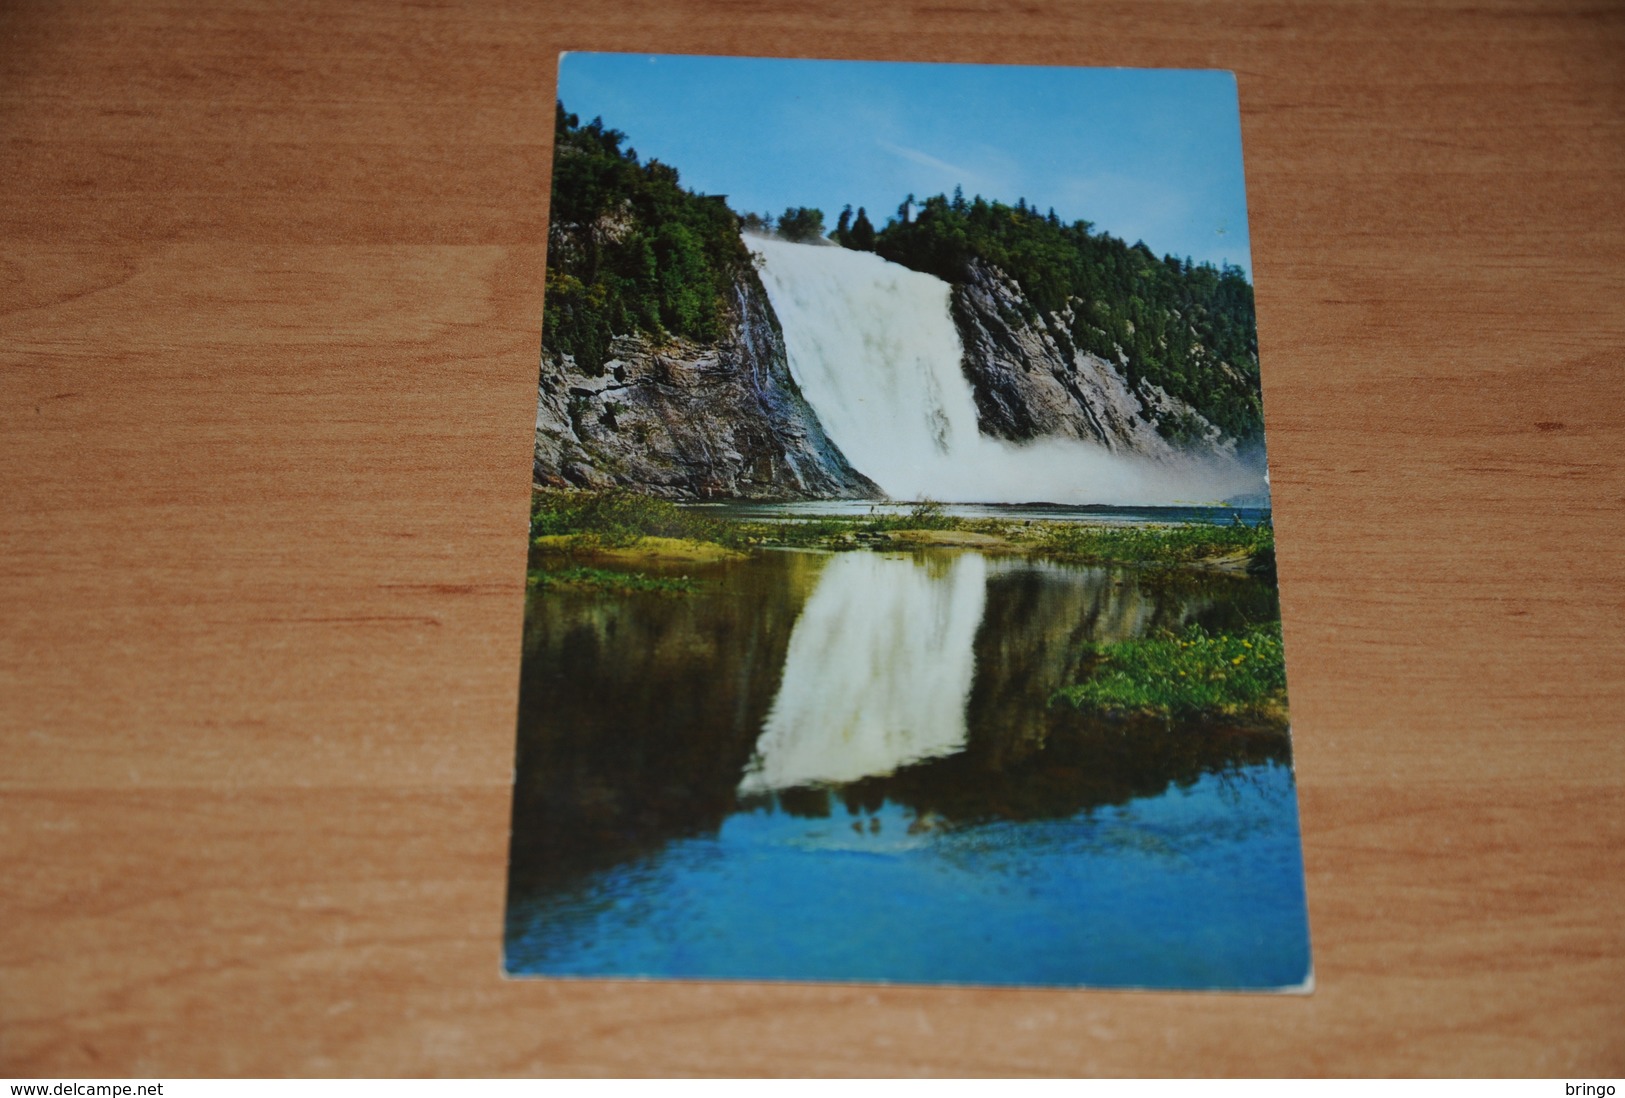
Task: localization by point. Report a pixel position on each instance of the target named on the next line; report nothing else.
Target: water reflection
(878, 672)
(692, 770)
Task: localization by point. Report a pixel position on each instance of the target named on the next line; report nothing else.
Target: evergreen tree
(801, 223)
(843, 226)
(629, 249)
(1185, 327)
(863, 233)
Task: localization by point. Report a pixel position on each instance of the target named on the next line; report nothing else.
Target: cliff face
(1028, 383)
(690, 420)
(687, 420)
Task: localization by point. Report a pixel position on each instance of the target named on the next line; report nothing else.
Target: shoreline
(623, 526)
(618, 543)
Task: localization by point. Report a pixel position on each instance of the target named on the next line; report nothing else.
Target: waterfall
(873, 348)
(878, 671)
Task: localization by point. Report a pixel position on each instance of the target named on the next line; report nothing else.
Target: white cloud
(926, 159)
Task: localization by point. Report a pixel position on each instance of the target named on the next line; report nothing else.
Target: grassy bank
(617, 519)
(1188, 674)
(1189, 543)
(620, 542)
(580, 523)
(601, 579)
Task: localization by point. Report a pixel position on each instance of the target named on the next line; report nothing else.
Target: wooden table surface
(272, 281)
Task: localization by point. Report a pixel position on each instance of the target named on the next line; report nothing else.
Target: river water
(846, 767)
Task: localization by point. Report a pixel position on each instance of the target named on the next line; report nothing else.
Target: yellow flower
(1237, 660)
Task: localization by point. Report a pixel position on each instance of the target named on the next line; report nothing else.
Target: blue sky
(1145, 154)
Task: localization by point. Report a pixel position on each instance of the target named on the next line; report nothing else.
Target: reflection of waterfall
(878, 671)
(875, 352)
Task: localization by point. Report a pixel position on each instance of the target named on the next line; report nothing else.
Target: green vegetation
(619, 518)
(1188, 327)
(629, 250)
(801, 224)
(858, 234)
(928, 515)
(1186, 543)
(1189, 674)
(600, 579)
(1237, 675)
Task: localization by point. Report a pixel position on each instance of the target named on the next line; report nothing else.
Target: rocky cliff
(689, 420)
(1029, 381)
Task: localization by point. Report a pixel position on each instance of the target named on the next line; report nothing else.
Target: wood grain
(272, 283)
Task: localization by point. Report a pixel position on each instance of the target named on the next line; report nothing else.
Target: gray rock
(1028, 384)
(685, 420)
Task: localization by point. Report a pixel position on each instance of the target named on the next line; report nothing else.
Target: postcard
(901, 599)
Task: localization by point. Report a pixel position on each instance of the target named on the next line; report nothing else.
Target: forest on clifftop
(631, 250)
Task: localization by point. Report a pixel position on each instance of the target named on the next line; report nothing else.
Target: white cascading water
(878, 671)
(874, 349)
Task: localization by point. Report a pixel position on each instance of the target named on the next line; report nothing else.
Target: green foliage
(926, 515)
(629, 249)
(800, 534)
(842, 232)
(599, 579)
(1188, 328)
(863, 233)
(1186, 543)
(801, 224)
(1189, 674)
(617, 517)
